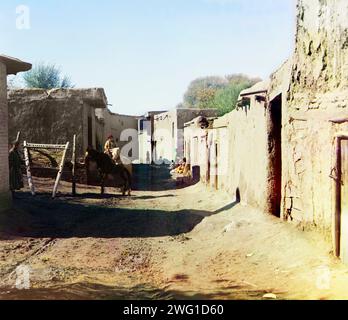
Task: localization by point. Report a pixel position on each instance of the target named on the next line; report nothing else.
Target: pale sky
(144, 53)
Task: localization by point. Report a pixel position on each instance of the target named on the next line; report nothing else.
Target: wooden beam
(27, 165)
(73, 161)
(59, 175)
(46, 146)
(339, 120)
(18, 136)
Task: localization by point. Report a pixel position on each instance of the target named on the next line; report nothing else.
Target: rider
(109, 145)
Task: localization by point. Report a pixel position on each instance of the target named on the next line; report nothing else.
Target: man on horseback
(109, 146)
(107, 167)
(114, 153)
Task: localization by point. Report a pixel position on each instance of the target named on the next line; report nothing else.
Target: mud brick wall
(168, 146)
(242, 155)
(248, 154)
(317, 94)
(53, 117)
(4, 173)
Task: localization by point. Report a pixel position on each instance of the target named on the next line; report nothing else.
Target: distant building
(169, 132)
(145, 137)
(116, 124)
(7, 66)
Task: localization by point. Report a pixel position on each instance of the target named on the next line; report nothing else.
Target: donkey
(106, 167)
(119, 159)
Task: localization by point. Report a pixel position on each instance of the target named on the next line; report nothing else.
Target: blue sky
(146, 52)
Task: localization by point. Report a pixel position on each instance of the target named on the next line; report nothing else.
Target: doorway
(275, 154)
(90, 132)
(341, 178)
(216, 167)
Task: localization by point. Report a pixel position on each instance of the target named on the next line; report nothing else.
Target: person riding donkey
(114, 152)
(109, 146)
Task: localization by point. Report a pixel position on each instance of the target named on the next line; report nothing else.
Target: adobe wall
(196, 149)
(144, 141)
(4, 173)
(218, 139)
(248, 154)
(165, 136)
(240, 141)
(169, 131)
(318, 94)
(53, 117)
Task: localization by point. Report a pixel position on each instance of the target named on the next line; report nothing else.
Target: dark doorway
(340, 174)
(90, 132)
(153, 156)
(275, 154)
(216, 167)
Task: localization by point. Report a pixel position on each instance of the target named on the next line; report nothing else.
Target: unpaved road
(185, 243)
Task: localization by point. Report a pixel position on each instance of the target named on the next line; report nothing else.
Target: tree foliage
(46, 76)
(217, 92)
(201, 92)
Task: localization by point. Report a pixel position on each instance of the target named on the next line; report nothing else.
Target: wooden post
(60, 172)
(73, 161)
(27, 165)
(18, 136)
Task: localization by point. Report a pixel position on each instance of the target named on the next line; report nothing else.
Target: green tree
(217, 92)
(201, 92)
(225, 100)
(46, 76)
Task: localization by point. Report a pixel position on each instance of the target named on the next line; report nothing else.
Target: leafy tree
(46, 76)
(226, 99)
(201, 92)
(217, 92)
(242, 79)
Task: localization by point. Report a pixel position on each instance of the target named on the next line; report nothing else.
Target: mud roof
(260, 87)
(195, 121)
(14, 65)
(95, 97)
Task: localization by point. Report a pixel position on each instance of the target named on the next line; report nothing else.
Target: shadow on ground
(87, 291)
(97, 196)
(155, 178)
(41, 217)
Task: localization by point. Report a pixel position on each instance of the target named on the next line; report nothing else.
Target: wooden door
(344, 201)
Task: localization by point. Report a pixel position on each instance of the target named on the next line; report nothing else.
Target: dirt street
(174, 243)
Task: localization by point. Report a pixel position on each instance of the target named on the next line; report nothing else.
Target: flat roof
(260, 87)
(184, 110)
(96, 97)
(14, 65)
(195, 120)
